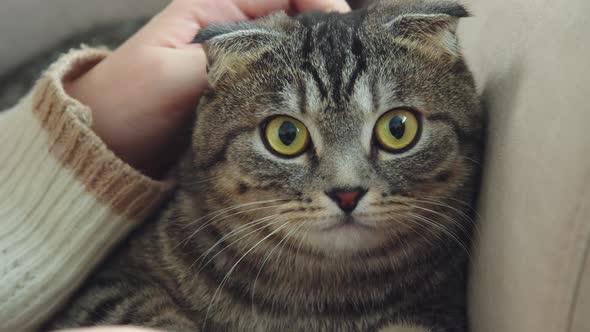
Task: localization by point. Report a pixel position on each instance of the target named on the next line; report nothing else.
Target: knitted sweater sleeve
(65, 198)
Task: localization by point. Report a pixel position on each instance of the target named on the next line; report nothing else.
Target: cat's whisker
(204, 255)
(440, 200)
(447, 206)
(269, 254)
(233, 207)
(303, 237)
(428, 225)
(444, 230)
(472, 221)
(207, 224)
(403, 247)
(219, 219)
(192, 183)
(220, 213)
(469, 206)
(233, 233)
(446, 217)
(227, 275)
(441, 204)
(472, 160)
(417, 223)
(303, 224)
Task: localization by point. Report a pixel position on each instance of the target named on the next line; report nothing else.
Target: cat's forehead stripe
(307, 66)
(337, 44)
(361, 63)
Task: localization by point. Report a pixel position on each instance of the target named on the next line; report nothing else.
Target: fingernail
(340, 6)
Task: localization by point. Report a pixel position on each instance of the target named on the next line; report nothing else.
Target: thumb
(183, 76)
(323, 5)
(174, 27)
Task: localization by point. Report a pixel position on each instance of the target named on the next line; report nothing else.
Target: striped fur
(242, 245)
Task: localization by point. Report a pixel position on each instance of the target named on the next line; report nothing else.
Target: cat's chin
(345, 238)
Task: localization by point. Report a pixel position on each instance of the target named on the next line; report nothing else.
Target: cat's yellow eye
(397, 130)
(286, 136)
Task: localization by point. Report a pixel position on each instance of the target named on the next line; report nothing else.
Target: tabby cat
(327, 188)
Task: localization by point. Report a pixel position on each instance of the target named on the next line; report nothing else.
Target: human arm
(81, 155)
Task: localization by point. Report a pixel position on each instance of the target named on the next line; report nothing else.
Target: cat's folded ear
(429, 26)
(231, 47)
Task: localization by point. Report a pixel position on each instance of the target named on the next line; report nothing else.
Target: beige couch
(531, 270)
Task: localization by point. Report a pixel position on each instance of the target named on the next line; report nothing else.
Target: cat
(328, 185)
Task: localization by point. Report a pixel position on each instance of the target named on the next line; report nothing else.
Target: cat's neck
(273, 274)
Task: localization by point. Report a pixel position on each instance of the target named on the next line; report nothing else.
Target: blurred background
(33, 33)
(28, 27)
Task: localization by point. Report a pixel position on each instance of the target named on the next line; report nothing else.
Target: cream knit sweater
(65, 198)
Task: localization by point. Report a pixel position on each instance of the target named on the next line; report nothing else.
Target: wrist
(90, 89)
(127, 109)
(103, 92)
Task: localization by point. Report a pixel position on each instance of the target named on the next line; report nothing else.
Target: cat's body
(254, 239)
(149, 284)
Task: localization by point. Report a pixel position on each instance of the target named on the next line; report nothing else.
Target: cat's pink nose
(347, 199)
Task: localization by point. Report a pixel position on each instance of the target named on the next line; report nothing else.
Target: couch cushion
(532, 62)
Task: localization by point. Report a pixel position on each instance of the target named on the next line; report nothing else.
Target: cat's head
(338, 132)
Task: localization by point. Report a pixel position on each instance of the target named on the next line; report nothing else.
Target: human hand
(142, 94)
(110, 329)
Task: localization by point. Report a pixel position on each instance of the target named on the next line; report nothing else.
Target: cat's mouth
(347, 223)
(342, 234)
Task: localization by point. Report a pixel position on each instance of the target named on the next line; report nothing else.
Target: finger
(170, 27)
(163, 128)
(158, 103)
(110, 329)
(190, 70)
(180, 21)
(183, 77)
(323, 5)
(257, 8)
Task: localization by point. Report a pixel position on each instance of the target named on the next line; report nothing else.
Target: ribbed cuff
(65, 199)
(76, 146)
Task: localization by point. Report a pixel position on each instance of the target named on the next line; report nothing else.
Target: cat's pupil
(287, 133)
(397, 126)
